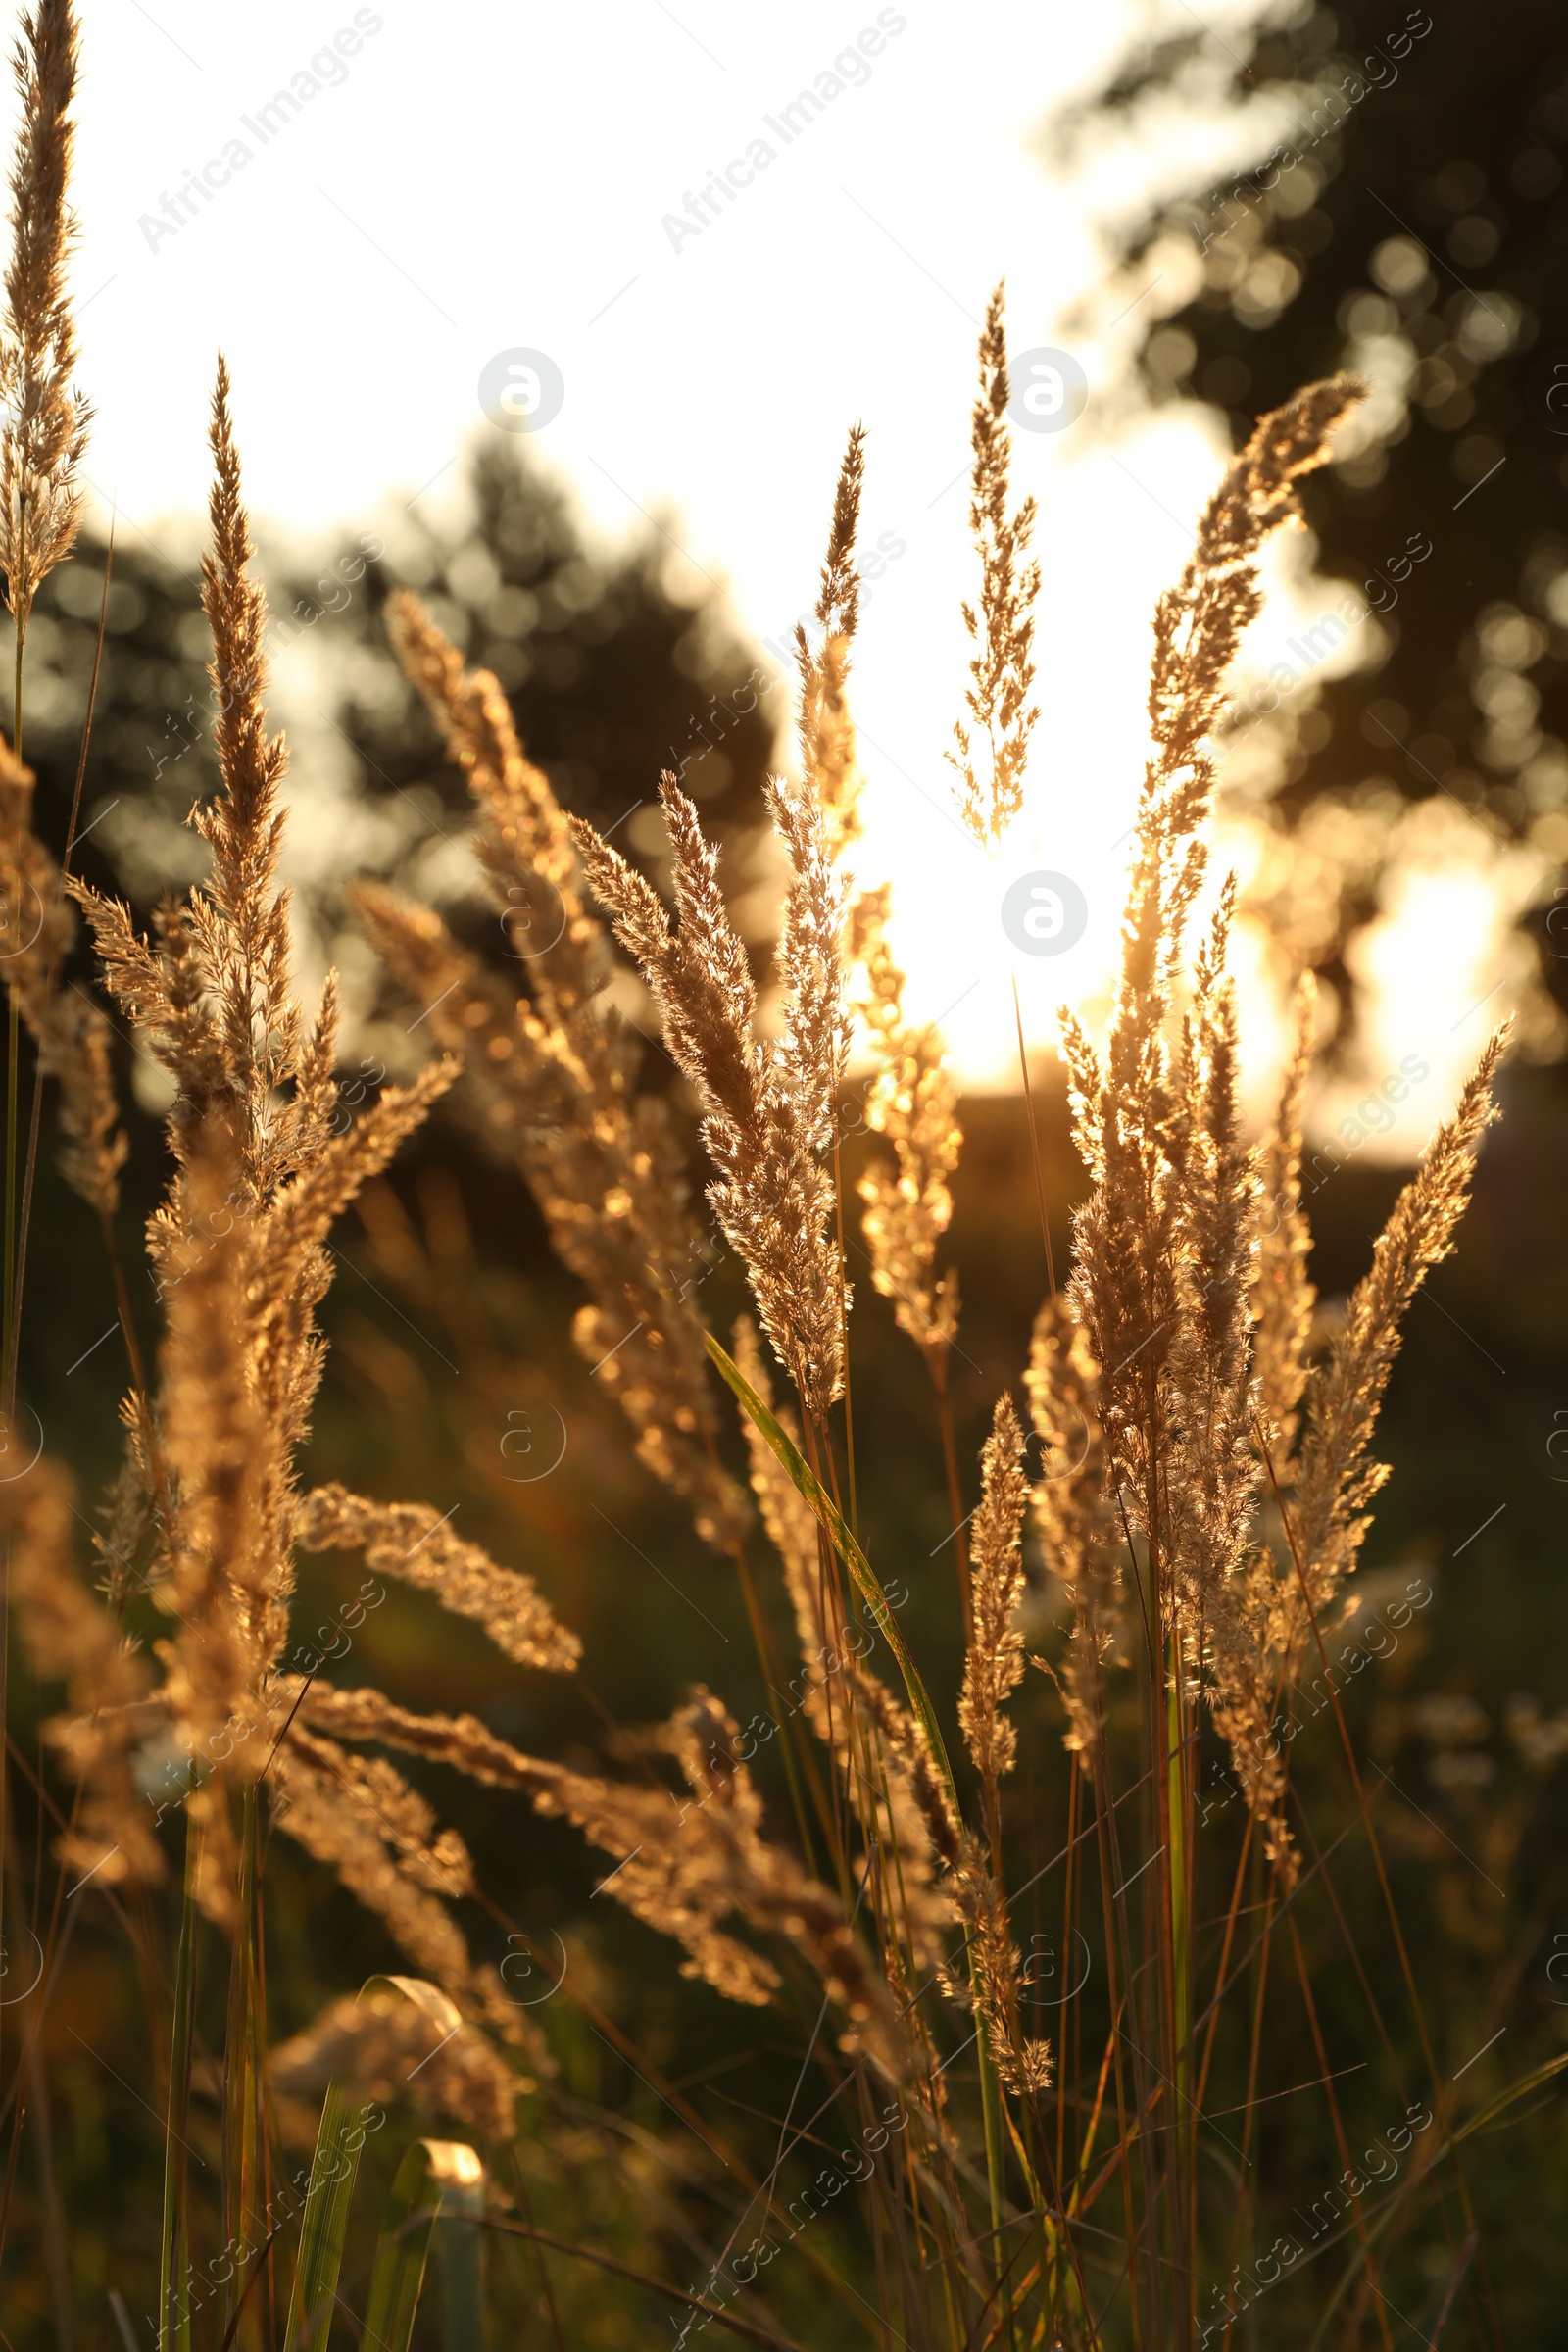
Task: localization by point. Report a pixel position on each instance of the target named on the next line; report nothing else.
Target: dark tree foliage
(152, 707)
(612, 672)
(1412, 222)
(613, 675)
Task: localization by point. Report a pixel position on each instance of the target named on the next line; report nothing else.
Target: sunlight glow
(710, 373)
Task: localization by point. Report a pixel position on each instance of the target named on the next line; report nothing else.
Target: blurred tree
(618, 662)
(1405, 216)
(616, 665)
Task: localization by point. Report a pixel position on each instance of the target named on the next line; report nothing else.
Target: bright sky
(488, 178)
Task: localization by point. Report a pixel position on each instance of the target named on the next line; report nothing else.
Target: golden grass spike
(810, 961)
(261, 1169)
(522, 840)
(162, 992)
(413, 1543)
(1335, 1479)
(993, 1666)
(1283, 1297)
(71, 1639)
(239, 914)
(705, 1859)
(461, 1741)
(69, 1032)
(767, 1114)
(684, 1864)
(1165, 1244)
(1126, 1287)
(226, 1458)
(1262, 1632)
(240, 1364)
(1002, 671)
(997, 1980)
(913, 1101)
(826, 729)
(550, 1082)
(1212, 1475)
(1079, 1535)
(45, 430)
(337, 1806)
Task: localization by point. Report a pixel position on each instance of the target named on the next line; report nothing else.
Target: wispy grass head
(45, 427)
(989, 762)
(826, 729)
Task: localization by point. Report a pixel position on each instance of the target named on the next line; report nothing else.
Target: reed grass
(1026, 2173)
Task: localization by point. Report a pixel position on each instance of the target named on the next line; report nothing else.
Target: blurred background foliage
(1422, 241)
(1401, 212)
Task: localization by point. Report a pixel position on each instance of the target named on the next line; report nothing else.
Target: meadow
(878, 1826)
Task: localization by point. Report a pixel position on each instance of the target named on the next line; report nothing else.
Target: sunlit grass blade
(402, 2249)
(324, 2227)
(457, 2172)
(437, 2006)
(437, 2177)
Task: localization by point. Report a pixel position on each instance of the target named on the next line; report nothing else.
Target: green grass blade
(438, 2180)
(438, 2006)
(242, 2072)
(460, 2174)
(1498, 2107)
(326, 2223)
(810, 1486)
(174, 2256)
(397, 2275)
